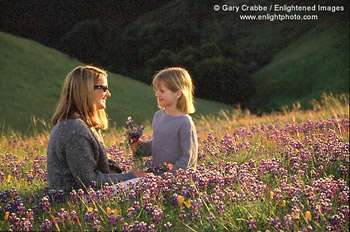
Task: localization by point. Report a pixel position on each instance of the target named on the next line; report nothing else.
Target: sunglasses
(103, 87)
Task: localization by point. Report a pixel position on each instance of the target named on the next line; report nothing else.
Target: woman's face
(100, 95)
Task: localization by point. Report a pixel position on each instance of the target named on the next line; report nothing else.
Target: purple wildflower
(167, 225)
(46, 225)
(251, 223)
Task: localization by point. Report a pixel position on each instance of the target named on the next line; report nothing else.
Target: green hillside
(262, 65)
(32, 76)
(317, 62)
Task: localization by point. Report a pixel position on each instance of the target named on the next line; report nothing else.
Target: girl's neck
(173, 112)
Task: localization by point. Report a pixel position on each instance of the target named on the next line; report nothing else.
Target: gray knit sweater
(76, 156)
(174, 141)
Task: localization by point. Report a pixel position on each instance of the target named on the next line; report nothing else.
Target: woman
(76, 155)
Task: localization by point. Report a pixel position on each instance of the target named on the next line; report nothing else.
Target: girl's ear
(178, 94)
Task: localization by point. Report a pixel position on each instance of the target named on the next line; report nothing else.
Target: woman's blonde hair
(175, 79)
(78, 96)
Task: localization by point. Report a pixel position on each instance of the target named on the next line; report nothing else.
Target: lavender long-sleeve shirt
(174, 141)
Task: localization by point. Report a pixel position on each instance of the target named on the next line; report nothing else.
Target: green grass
(26, 156)
(317, 62)
(31, 80)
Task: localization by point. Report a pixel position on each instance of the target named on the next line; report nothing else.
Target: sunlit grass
(257, 178)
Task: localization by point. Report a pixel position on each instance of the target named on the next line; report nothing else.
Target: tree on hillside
(84, 41)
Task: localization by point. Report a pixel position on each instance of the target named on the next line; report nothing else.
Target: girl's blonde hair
(78, 96)
(177, 79)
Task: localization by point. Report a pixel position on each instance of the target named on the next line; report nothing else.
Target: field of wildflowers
(284, 171)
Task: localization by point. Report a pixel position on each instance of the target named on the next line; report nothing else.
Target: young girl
(174, 133)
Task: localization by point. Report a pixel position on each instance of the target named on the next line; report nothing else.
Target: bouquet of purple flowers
(133, 132)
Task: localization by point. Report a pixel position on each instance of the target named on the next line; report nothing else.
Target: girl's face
(166, 98)
(100, 95)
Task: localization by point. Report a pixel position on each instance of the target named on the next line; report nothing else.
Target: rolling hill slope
(32, 76)
(288, 61)
(317, 62)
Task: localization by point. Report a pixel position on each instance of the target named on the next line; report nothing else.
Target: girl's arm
(189, 148)
(147, 148)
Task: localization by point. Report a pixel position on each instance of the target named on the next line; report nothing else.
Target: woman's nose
(108, 94)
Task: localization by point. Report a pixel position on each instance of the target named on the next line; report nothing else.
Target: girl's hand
(134, 145)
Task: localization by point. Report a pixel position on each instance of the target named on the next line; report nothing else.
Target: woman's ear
(178, 94)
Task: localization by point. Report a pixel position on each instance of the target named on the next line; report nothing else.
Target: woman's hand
(140, 173)
(113, 170)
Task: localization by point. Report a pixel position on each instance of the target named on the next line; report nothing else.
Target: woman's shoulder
(70, 127)
(74, 123)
